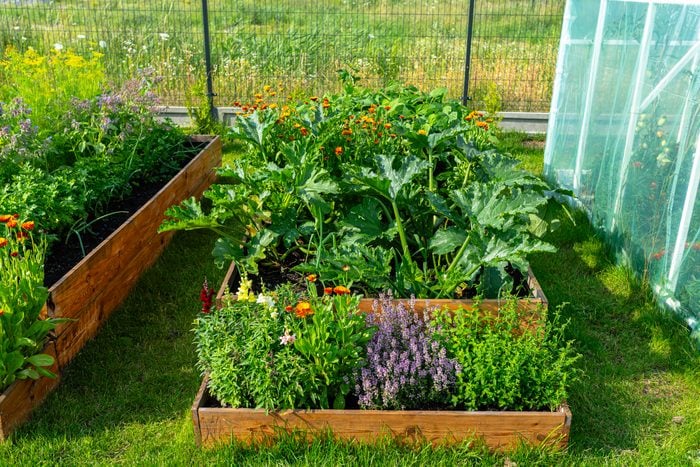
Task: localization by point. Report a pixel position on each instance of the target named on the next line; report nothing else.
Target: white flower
(81, 36)
(287, 338)
(102, 44)
(265, 300)
(274, 315)
(58, 46)
(164, 36)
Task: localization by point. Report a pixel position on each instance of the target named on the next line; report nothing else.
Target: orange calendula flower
(2, 312)
(387, 125)
(326, 103)
(483, 125)
(338, 151)
(288, 308)
(29, 225)
(304, 131)
(311, 278)
(5, 217)
(346, 132)
(15, 215)
(387, 107)
(422, 132)
(12, 223)
(341, 290)
(3, 242)
(328, 290)
(303, 309)
(21, 236)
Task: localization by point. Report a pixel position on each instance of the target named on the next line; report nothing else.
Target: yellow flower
(422, 132)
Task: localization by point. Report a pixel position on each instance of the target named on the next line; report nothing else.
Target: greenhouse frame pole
(554, 110)
(642, 61)
(684, 227)
(588, 105)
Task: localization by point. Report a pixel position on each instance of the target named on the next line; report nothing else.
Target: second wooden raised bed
(97, 285)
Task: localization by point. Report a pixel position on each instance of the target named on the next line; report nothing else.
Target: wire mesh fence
(299, 45)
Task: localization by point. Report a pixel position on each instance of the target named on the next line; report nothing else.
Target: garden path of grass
(126, 398)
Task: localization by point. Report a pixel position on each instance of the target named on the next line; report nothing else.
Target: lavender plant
(406, 367)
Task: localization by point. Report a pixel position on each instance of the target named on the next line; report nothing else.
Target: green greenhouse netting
(624, 135)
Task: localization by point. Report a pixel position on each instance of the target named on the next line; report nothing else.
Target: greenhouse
(624, 135)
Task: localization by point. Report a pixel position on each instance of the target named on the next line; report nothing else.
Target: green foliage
(507, 363)
(282, 349)
(22, 296)
(398, 188)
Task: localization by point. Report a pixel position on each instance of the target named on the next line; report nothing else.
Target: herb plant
(407, 368)
(506, 363)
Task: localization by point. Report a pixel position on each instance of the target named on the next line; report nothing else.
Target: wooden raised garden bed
(97, 285)
(497, 430)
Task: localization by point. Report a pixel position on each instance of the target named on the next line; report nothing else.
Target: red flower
(14, 254)
(288, 308)
(205, 296)
(4, 218)
(11, 223)
(328, 291)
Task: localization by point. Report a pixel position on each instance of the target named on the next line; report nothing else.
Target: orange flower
(288, 308)
(338, 151)
(314, 98)
(29, 225)
(311, 278)
(14, 254)
(387, 107)
(328, 290)
(304, 131)
(3, 242)
(15, 215)
(387, 125)
(326, 103)
(346, 132)
(2, 312)
(12, 223)
(21, 236)
(483, 125)
(341, 290)
(4, 218)
(303, 310)
(422, 132)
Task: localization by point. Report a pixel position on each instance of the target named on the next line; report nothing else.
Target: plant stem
(458, 256)
(402, 234)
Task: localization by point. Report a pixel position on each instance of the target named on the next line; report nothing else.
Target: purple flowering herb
(406, 367)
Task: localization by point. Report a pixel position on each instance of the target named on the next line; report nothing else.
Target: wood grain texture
(498, 430)
(97, 285)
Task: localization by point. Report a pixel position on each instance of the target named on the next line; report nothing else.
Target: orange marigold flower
(422, 132)
(3, 242)
(258, 96)
(311, 278)
(387, 107)
(328, 290)
(14, 254)
(2, 312)
(341, 290)
(387, 125)
(15, 215)
(326, 103)
(12, 223)
(304, 131)
(483, 125)
(338, 150)
(288, 308)
(303, 309)
(346, 132)
(5, 217)
(21, 236)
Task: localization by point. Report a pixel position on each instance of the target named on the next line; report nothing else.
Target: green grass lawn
(126, 398)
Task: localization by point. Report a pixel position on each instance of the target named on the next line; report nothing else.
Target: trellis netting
(624, 135)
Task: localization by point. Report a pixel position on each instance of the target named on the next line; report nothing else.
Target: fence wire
(299, 45)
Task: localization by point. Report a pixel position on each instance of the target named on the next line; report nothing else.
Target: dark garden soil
(66, 253)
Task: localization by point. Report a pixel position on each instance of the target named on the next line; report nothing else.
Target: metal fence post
(467, 62)
(207, 58)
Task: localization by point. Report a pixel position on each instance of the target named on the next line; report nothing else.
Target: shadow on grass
(140, 367)
(630, 349)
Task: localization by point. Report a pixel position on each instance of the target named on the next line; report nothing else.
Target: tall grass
(303, 43)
